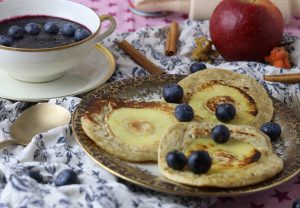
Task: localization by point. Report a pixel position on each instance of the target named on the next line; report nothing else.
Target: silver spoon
(36, 119)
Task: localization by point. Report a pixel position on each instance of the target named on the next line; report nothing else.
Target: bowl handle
(111, 28)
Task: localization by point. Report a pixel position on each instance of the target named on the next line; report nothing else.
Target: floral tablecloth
(280, 197)
(56, 149)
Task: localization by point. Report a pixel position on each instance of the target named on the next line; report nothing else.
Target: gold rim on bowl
(58, 47)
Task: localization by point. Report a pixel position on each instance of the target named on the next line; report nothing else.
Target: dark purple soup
(40, 32)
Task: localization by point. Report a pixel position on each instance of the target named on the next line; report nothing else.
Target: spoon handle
(6, 142)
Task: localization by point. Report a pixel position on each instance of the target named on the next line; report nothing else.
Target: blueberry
(176, 160)
(16, 32)
(51, 28)
(220, 134)
(172, 93)
(198, 66)
(68, 30)
(296, 203)
(66, 177)
(184, 112)
(272, 129)
(5, 40)
(199, 162)
(225, 112)
(81, 34)
(32, 28)
(36, 175)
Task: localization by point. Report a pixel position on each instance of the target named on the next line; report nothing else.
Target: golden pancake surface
(204, 90)
(247, 158)
(146, 131)
(129, 130)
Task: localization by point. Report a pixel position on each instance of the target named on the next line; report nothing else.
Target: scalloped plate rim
(222, 192)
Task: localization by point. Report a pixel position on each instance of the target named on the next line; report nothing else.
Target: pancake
(129, 130)
(204, 90)
(247, 158)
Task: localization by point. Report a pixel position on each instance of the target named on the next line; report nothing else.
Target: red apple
(246, 30)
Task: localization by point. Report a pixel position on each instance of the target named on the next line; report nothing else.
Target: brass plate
(149, 88)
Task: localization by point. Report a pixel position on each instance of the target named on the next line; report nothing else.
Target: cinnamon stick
(140, 59)
(283, 78)
(172, 39)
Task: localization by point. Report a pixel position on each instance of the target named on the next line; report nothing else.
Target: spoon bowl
(36, 119)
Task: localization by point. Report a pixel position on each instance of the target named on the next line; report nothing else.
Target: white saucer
(92, 72)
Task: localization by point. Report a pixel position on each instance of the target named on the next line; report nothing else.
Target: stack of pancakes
(147, 131)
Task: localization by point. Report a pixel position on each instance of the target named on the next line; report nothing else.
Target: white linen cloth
(55, 150)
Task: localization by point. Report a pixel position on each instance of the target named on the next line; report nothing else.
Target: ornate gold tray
(147, 175)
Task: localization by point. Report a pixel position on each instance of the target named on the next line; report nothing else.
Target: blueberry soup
(40, 32)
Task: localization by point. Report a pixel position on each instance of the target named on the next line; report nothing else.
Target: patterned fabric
(293, 28)
(129, 22)
(126, 20)
(150, 41)
(55, 150)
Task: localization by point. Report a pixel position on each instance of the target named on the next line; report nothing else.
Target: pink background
(280, 197)
(129, 22)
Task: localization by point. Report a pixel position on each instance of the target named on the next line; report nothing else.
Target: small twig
(283, 78)
(172, 39)
(139, 58)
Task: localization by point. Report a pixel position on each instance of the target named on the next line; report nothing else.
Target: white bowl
(46, 64)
